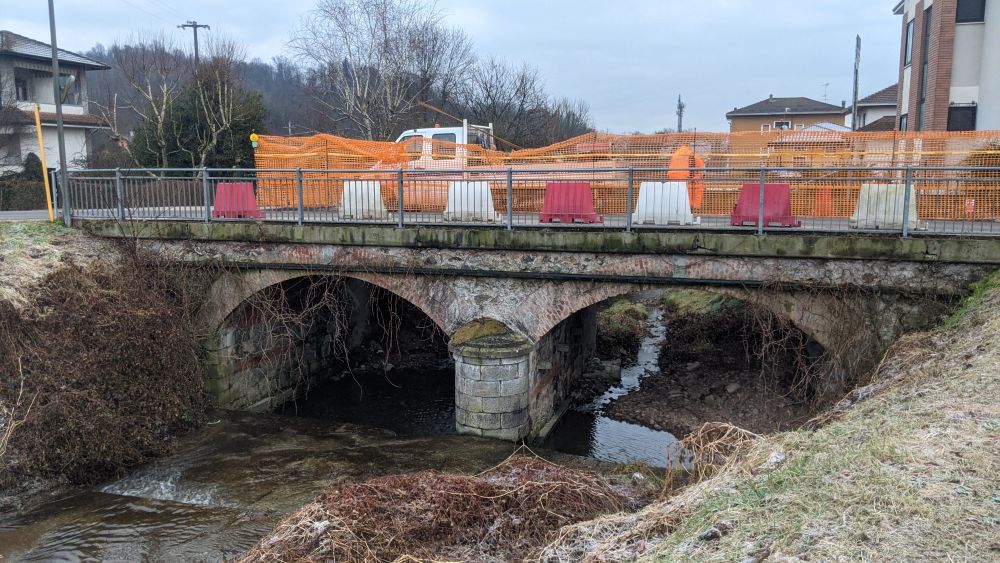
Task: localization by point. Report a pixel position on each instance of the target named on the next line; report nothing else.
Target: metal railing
(905, 200)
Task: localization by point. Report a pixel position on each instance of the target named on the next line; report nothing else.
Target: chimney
(771, 97)
(843, 103)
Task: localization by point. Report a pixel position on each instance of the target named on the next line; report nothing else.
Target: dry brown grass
(903, 469)
(498, 515)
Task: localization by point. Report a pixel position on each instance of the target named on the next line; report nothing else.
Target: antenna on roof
(826, 90)
(680, 114)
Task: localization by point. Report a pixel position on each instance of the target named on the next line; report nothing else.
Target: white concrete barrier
(470, 201)
(362, 199)
(880, 206)
(664, 203)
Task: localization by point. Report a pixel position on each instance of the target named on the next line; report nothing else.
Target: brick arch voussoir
(230, 290)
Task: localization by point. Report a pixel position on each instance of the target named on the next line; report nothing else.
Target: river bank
(88, 387)
(904, 468)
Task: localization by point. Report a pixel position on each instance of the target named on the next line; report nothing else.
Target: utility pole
(857, 70)
(680, 114)
(63, 183)
(194, 27)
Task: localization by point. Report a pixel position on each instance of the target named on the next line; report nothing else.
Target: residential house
(784, 114)
(26, 79)
(949, 65)
(877, 112)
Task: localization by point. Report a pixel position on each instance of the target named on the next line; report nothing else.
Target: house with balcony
(949, 65)
(25, 80)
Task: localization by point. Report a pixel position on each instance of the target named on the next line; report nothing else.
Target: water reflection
(587, 431)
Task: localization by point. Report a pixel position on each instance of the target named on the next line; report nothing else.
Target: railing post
(55, 193)
(120, 194)
(298, 192)
(628, 200)
(399, 197)
(64, 191)
(760, 207)
(907, 190)
(206, 193)
(510, 199)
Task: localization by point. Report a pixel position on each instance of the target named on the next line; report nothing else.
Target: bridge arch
(231, 289)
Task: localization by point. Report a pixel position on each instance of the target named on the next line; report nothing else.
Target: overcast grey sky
(628, 59)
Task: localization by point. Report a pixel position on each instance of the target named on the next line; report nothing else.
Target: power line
(141, 9)
(194, 27)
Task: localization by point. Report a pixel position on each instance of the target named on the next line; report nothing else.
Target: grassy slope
(29, 250)
(911, 473)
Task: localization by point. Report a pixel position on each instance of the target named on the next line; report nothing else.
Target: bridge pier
(509, 387)
(493, 368)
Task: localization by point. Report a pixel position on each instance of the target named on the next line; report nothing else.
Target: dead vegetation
(107, 358)
(499, 515)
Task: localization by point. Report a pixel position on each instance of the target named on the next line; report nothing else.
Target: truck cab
(424, 153)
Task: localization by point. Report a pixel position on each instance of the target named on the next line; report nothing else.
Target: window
(925, 43)
(782, 125)
(908, 44)
(962, 118)
(970, 11)
(10, 149)
(413, 145)
(765, 128)
(22, 85)
(443, 150)
(904, 122)
(800, 126)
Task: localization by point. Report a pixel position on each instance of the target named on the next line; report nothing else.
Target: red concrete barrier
(236, 200)
(568, 202)
(777, 206)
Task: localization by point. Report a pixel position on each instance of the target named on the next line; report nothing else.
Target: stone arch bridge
(518, 306)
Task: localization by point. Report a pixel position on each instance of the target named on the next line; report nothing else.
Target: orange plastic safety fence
(815, 192)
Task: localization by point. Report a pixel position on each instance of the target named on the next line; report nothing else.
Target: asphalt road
(39, 214)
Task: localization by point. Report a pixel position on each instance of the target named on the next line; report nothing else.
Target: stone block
(504, 404)
(515, 419)
(481, 361)
(482, 420)
(514, 387)
(499, 373)
(468, 430)
(468, 371)
(470, 402)
(506, 434)
(480, 388)
(524, 369)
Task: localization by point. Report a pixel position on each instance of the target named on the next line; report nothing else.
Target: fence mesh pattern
(720, 163)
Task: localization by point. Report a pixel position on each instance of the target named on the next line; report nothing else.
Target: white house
(26, 79)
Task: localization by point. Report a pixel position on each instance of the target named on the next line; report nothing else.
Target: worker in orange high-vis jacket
(686, 165)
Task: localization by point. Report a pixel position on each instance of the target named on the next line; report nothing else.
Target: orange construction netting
(730, 160)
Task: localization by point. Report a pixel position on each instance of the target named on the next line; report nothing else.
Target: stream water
(587, 431)
(229, 482)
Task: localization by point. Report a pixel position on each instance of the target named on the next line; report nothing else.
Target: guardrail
(907, 200)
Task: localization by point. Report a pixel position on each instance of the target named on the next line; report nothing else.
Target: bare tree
(375, 59)
(155, 72)
(511, 97)
(219, 99)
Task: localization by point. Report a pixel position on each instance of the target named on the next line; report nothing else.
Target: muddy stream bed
(229, 482)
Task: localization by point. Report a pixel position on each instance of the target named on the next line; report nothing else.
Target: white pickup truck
(426, 154)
